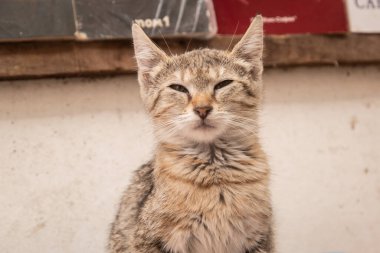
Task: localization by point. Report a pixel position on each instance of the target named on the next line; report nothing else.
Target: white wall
(67, 149)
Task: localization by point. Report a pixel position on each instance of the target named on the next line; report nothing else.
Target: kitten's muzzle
(203, 111)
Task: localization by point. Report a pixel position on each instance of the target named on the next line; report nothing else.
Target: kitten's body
(206, 190)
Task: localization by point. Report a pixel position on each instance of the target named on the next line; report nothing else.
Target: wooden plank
(43, 59)
(317, 49)
(70, 58)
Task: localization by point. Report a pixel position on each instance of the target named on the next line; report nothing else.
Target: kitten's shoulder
(138, 190)
(144, 173)
(141, 186)
(134, 198)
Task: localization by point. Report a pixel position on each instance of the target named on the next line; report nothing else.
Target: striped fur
(206, 188)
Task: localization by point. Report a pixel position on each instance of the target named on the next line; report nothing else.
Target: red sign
(282, 16)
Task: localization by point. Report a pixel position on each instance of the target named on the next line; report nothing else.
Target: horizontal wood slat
(71, 58)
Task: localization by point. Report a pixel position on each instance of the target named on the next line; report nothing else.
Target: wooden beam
(71, 58)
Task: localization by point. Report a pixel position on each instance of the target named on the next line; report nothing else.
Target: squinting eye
(179, 88)
(222, 84)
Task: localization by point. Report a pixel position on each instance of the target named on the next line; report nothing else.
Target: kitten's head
(204, 94)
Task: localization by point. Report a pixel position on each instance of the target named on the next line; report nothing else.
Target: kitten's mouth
(204, 126)
(204, 131)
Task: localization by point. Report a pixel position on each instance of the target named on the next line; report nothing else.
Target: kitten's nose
(202, 111)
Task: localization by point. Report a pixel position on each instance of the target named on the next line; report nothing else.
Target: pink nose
(202, 111)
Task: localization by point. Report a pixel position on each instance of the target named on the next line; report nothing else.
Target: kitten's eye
(179, 88)
(222, 84)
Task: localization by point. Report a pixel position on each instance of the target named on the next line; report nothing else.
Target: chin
(203, 134)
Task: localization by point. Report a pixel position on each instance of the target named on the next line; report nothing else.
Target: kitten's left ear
(250, 47)
(147, 54)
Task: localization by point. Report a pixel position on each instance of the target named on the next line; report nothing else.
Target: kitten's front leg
(151, 251)
(265, 245)
(148, 245)
(147, 249)
(257, 251)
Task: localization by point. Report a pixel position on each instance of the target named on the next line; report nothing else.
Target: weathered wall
(67, 149)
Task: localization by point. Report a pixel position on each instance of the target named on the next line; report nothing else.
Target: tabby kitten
(206, 188)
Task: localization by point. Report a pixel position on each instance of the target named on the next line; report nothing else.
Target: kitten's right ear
(147, 54)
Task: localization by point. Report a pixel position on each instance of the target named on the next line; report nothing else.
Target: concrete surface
(67, 149)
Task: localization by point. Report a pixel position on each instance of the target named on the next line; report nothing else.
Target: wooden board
(71, 58)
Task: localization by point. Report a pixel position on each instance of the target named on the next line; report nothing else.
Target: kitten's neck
(208, 151)
(206, 164)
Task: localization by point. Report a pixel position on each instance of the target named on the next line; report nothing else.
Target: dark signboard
(105, 19)
(169, 18)
(23, 19)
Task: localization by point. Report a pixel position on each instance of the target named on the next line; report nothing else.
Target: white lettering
(153, 23)
(140, 22)
(157, 22)
(167, 23)
(148, 23)
(278, 19)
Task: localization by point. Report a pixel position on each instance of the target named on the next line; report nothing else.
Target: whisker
(233, 36)
(166, 44)
(188, 44)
